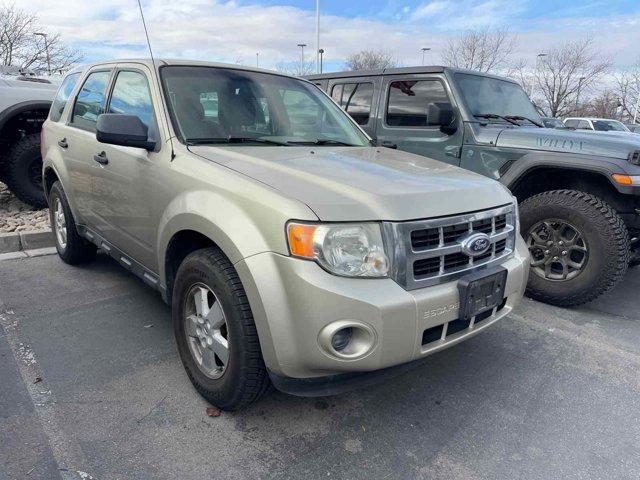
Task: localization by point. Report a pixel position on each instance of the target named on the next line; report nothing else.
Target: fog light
(341, 339)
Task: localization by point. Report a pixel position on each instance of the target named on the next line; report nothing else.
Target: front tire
(23, 171)
(71, 247)
(579, 247)
(215, 333)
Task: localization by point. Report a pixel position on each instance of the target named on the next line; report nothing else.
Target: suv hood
(602, 144)
(363, 183)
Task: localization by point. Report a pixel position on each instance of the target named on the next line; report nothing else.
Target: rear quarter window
(62, 97)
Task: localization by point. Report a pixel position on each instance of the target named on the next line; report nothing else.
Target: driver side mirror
(124, 130)
(441, 114)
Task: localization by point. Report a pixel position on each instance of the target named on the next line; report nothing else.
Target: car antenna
(153, 62)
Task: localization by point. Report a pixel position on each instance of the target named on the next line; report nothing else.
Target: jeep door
(402, 118)
(78, 141)
(357, 96)
(127, 182)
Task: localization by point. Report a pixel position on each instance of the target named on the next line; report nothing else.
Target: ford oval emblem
(476, 244)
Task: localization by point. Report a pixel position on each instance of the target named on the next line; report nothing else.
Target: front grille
(428, 252)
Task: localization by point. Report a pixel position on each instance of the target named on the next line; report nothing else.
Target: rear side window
(131, 96)
(90, 101)
(408, 101)
(64, 92)
(356, 99)
(571, 123)
(584, 125)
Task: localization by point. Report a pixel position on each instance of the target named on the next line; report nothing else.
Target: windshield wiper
(321, 141)
(496, 116)
(520, 117)
(214, 140)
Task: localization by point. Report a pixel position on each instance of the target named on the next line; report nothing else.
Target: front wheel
(23, 171)
(215, 332)
(579, 246)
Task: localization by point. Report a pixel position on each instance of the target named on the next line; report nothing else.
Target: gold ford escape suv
(291, 250)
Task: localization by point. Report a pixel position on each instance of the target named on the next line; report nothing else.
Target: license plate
(481, 291)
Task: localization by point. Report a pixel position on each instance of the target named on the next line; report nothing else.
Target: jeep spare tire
(579, 246)
(23, 171)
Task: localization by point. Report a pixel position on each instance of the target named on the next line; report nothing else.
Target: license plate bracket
(481, 291)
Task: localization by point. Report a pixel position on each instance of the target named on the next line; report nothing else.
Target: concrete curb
(21, 241)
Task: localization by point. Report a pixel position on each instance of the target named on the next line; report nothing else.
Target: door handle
(388, 144)
(101, 158)
(63, 143)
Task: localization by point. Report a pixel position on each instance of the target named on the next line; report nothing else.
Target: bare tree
(566, 73)
(483, 50)
(628, 91)
(296, 69)
(19, 46)
(605, 105)
(370, 60)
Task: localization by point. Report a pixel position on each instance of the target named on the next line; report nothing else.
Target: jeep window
(131, 96)
(356, 99)
(408, 101)
(64, 92)
(90, 101)
(253, 107)
(609, 126)
(487, 95)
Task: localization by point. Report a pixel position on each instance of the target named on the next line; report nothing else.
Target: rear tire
(22, 169)
(71, 247)
(594, 260)
(230, 379)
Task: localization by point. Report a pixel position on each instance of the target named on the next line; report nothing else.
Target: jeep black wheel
(579, 246)
(71, 247)
(23, 171)
(215, 333)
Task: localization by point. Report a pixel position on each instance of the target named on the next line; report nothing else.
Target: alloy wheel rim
(60, 224)
(559, 252)
(206, 330)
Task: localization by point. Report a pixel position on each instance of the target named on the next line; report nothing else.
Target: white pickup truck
(24, 105)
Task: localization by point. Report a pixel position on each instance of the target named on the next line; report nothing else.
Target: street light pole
(257, 59)
(580, 80)
(424, 49)
(302, 45)
(318, 68)
(321, 52)
(46, 49)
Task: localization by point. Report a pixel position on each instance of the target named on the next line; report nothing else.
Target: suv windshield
(220, 105)
(486, 95)
(609, 126)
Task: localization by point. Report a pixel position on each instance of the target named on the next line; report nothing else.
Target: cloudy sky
(233, 31)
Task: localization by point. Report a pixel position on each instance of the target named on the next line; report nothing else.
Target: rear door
(357, 96)
(403, 121)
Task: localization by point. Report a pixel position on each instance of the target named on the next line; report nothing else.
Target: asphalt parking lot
(91, 387)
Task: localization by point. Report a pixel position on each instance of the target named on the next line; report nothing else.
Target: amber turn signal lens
(301, 239)
(622, 179)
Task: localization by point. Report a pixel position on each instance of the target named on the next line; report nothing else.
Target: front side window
(487, 95)
(409, 99)
(131, 96)
(356, 99)
(90, 101)
(64, 92)
(219, 105)
(609, 126)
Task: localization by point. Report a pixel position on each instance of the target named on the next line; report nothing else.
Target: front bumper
(293, 300)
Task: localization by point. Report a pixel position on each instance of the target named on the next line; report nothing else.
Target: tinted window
(131, 96)
(356, 99)
(408, 101)
(62, 96)
(90, 100)
(609, 125)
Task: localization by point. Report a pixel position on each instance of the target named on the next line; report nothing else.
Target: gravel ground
(16, 216)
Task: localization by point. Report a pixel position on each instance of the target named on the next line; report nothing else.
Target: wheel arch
(12, 113)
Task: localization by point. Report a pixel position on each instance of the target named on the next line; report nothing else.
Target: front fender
(239, 230)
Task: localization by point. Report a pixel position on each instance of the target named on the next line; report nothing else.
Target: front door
(403, 117)
(123, 192)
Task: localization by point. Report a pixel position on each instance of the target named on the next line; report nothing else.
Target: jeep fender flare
(18, 108)
(530, 162)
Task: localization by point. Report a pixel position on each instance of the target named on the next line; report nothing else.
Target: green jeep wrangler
(579, 192)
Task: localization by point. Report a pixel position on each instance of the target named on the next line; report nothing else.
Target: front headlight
(346, 249)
